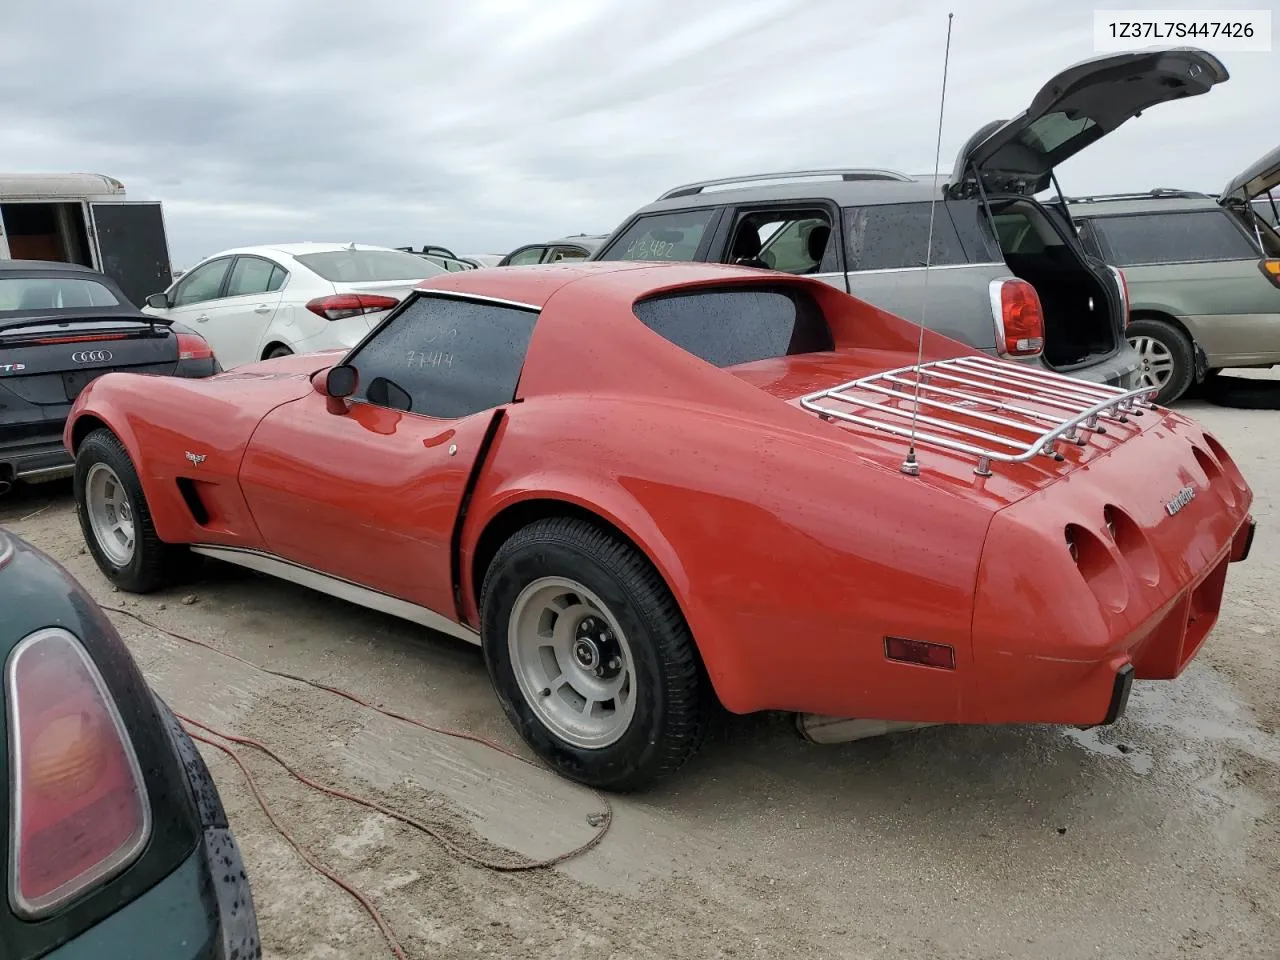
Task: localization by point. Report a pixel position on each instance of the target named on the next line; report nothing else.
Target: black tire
(673, 699)
(154, 563)
(1243, 393)
(1180, 350)
(279, 350)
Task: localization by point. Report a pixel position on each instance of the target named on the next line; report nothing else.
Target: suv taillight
(1123, 284)
(1015, 305)
(192, 346)
(343, 305)
(1271, 270)
(79, 808)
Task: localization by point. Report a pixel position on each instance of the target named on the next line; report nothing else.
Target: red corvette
(644, 488)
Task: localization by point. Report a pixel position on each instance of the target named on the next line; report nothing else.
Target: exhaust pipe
(817, 728)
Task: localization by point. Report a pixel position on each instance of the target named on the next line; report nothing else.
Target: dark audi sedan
(62, 325)
(116, 843)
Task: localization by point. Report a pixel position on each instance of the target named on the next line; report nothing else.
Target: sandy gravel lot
(1156, 838)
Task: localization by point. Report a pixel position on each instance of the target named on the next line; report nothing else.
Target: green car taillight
(79, 808)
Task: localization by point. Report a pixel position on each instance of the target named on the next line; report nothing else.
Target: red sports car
(645, 488)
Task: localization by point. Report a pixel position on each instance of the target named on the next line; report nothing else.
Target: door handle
(262, 308)
(203, 318)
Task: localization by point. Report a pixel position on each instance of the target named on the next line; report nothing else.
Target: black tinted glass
(1173, 238)
(726, 327)
(662, 236)
(445, 358)
(897, 235)
(250, 275)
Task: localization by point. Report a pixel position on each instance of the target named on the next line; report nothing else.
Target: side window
(1089, 239)
(445, 358)
(1017, 234)
(662, 236)
(1192, 237)
(202, 283)
(527, 256)
(566, 255)
(727, 327)
(791, 241)
(250, 275)
(895, 235)
(973, 228)
(278, 275)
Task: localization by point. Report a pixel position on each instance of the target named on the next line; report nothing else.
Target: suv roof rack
(850, 174)
(1158, 193)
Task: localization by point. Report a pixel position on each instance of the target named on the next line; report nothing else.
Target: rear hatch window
(365, 266)
(32, 294)
(742, 325)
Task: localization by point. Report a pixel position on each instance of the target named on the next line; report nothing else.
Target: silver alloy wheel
(110, 513)
(572, 662)
(1157, 361)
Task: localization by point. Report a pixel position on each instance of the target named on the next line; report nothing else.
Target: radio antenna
(910, 466)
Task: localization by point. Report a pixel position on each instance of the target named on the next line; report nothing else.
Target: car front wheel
(590, 656)
(116, 521)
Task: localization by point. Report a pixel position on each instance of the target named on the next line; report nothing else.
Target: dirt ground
(1156, 838)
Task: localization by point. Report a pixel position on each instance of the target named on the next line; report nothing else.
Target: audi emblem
(91, 356)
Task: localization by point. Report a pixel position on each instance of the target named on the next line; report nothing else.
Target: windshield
(365, 266)
(31, 294)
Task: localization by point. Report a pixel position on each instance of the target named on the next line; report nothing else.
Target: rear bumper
(1120, 369)
(1054, 627)
(42, 459)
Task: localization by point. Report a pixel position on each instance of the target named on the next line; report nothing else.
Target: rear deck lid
(1077, 107)
(47, 361)
(1256, 179)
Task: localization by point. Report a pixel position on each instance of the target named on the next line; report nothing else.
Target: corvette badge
(196, 458)
(1185, 496)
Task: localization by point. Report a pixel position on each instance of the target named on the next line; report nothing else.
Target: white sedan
(252, 303)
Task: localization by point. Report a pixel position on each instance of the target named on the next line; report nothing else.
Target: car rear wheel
(590, 656)
(1167, 358)
(116, 521)
(279, 350)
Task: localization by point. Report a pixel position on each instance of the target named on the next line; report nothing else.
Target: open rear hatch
(1007, 162)
(1078, 107)
(1246, 192)
(1261, 176)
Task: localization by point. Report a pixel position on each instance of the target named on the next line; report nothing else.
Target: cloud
(490, 124)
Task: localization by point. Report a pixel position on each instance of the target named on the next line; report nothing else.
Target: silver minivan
(867, 230)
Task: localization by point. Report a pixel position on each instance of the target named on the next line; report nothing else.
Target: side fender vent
(190, 496)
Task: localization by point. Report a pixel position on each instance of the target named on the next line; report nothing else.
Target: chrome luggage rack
(1036, 408)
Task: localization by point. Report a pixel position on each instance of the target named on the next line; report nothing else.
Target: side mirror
(159, 301)
(336, 384)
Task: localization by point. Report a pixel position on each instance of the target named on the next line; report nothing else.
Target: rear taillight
(1015, 305)
(1271, 270)
(343, 305)
(1123, 284)
(79, 808)
(192, 346)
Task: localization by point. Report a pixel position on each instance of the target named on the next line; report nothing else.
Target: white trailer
(85, 218)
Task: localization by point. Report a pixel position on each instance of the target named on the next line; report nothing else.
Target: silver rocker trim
(337, 587)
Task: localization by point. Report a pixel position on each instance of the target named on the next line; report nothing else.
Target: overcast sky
(489, 124)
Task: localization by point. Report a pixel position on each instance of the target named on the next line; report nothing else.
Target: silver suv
(866, 231)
